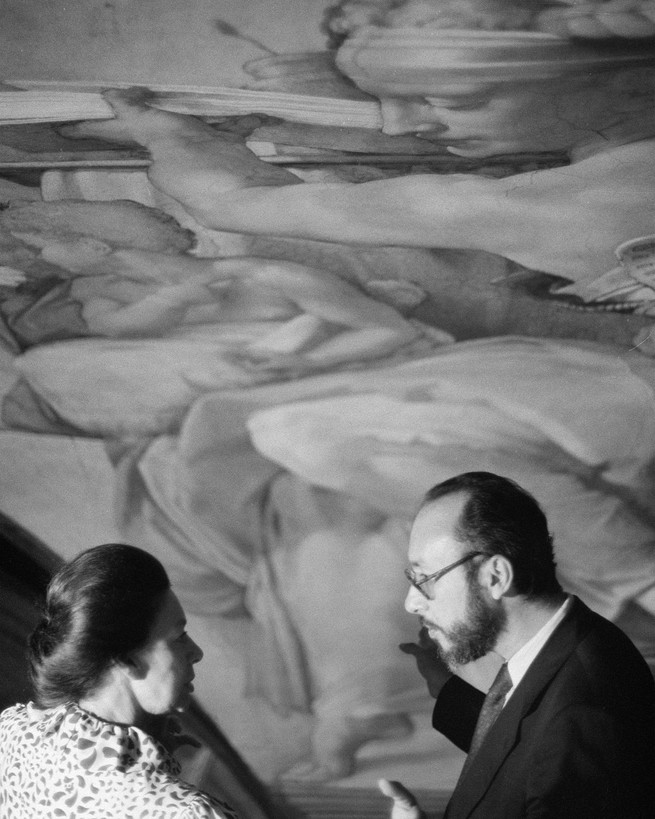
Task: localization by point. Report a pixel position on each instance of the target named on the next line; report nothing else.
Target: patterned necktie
(491, 708)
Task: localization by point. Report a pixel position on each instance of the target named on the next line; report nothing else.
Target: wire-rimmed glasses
(418, 584)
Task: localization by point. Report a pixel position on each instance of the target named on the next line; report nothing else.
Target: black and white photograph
(327, 409)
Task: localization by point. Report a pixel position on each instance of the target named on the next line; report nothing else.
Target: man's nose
(414, 601)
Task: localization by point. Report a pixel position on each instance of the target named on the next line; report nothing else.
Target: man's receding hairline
(428, 502)
(464, 491)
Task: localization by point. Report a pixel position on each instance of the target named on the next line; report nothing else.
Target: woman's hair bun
(99, 607)
(43, 638)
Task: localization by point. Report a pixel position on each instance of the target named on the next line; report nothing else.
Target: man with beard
(572, 733)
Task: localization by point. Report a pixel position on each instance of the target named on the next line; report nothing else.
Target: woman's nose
(196, 652)
(408, 116)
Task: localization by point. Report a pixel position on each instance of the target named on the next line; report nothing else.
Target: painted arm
(565, 221)
(154, 314)
(226, 187)
(338, 323)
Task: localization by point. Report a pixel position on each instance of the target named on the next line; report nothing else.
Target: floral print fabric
(65, 763)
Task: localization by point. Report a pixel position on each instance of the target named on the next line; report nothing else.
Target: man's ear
(499, 576)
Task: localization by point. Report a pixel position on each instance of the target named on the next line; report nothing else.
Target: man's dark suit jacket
(576, 739)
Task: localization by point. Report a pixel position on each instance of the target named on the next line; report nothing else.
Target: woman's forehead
(171, 615)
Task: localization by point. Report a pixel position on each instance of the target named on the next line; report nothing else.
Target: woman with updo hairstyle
(110, 660)
(76, 639)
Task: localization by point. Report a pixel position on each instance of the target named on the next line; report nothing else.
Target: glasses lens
(416, 584)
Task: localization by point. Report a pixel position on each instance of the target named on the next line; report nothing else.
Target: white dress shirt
(518, 663)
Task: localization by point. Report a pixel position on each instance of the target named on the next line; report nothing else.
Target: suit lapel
(502, 737)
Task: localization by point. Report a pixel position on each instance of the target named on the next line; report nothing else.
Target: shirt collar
(518, 663)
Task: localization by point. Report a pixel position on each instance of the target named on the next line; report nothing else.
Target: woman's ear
(132, 665)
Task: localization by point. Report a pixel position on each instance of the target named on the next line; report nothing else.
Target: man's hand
(404, 802)
(428, 661)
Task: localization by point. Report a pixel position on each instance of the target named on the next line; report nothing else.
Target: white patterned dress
(65, 763)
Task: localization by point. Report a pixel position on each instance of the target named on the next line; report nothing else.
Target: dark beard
(477, 634)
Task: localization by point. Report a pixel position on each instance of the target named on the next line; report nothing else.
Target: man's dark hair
(99, 607)
(500, 518)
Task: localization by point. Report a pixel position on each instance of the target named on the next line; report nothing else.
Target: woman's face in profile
(164, 672)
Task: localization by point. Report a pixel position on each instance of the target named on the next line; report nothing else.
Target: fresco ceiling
(264, 412)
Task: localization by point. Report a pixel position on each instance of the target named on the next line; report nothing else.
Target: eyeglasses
(418, 584)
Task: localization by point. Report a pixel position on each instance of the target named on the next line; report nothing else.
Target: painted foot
(336, 744)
